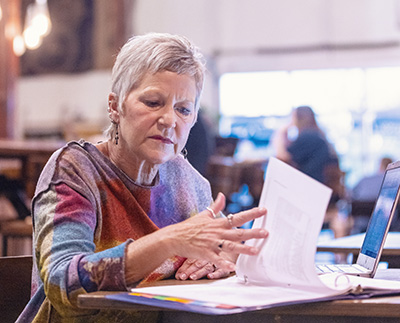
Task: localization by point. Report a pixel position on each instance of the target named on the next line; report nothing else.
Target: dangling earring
(184, 152)
(116, 134)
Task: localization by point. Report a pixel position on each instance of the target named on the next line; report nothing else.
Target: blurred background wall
(328, 49)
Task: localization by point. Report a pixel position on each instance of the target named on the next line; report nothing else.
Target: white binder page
(296, 206)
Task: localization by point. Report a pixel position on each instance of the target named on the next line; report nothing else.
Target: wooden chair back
(17, 237)
(15, 286)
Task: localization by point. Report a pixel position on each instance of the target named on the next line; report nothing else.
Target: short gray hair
(152, 53)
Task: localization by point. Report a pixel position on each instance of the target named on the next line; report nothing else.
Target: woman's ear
(113, 112)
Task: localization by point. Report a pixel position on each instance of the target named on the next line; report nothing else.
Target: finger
(224, 264)
(238, 219)
(201, 272)
(238, 248)
(183, 272)
(218, 205)
(195, 267)
(245, 234)
(218, 273)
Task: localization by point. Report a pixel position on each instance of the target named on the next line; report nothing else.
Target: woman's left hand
(195, 269)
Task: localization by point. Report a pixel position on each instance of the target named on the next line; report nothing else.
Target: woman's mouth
(164, 140)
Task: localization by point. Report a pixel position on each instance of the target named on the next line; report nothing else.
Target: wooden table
(377, 309)
(33, 155)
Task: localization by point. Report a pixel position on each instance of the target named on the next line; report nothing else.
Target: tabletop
(377, 307)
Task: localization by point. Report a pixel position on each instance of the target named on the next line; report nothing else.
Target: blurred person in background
(367, 189)
(200, 144)
(310, 152)
(363, 197)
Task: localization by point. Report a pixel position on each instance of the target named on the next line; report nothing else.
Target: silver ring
(230, 220)
(221, 244)
(212, 212)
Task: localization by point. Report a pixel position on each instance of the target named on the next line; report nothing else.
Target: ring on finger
(230, 220)
(212, 212)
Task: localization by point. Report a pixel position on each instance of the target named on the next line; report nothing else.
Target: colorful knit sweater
(85, 212)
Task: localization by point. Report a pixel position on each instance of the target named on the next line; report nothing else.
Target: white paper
(232, 291)
(336, 280)
(296, 206)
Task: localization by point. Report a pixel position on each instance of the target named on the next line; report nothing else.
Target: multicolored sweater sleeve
(86, 211)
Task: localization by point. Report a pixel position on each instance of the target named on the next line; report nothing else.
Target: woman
(310, 152)
(132, 209)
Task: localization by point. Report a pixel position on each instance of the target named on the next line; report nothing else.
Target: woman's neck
(140, 172)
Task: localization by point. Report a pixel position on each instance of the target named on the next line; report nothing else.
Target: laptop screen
(382, 214)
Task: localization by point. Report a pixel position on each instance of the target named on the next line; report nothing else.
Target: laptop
(378, 227)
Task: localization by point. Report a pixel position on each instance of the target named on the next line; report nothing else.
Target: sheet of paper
(234, 292)
(296, 206)
(336, 280)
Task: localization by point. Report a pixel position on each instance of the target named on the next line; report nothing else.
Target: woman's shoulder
(181, 178)
(180, 168)
(79, 152)
(177, 165)
(76, 160)
(73, 153)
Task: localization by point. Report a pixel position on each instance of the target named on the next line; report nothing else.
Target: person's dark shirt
(199, 146)
(367, 189)
(310, 153)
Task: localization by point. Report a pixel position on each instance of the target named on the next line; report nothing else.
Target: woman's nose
(168, 117)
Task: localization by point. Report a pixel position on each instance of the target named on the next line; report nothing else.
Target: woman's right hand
(215, 240)
(212, 241)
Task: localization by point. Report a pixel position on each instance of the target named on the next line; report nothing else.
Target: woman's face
(157, 116)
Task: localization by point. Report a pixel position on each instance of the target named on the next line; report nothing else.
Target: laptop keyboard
(339, 268)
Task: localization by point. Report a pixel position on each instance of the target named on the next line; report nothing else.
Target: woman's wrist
(144, 255)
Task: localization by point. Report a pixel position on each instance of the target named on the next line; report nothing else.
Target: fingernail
(193, 277)
(183, 276)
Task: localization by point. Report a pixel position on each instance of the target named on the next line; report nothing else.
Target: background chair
(361, 212)
(15, 224)
(15, 286)
(16, 237)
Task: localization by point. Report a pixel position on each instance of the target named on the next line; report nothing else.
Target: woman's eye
(184, 111)
(152, 104)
